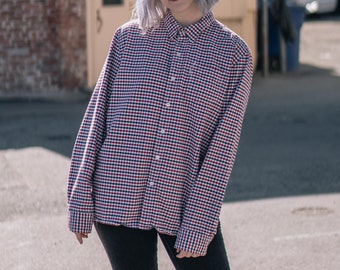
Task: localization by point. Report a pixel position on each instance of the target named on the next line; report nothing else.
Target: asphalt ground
(282, 205)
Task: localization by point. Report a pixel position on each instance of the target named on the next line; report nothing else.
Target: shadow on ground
(290, 142)
(289, 146)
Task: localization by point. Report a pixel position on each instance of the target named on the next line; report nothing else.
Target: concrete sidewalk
(283, 233)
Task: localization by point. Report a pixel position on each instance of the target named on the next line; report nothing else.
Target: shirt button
(178, 54)
(168, 104)
(162, 130)
(151, 184)
(173, 78)
(157, 157)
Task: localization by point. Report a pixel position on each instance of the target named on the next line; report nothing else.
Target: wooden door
(103, 17)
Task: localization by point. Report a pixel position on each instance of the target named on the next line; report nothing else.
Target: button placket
(160, 150)
(182, 37)
(166, 122)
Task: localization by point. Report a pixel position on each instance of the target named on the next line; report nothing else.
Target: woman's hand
(185, 254)
(80, 237)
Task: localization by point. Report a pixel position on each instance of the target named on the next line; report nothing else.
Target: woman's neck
(185, 20)
(187, 16)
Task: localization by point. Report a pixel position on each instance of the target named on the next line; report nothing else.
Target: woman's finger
(80, 237)
(186, 254)
(181, 254)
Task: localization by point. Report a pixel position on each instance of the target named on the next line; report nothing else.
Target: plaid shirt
(159, 138)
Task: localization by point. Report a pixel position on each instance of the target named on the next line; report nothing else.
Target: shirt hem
(137, 225)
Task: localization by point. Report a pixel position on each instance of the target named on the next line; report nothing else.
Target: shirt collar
(193, 31)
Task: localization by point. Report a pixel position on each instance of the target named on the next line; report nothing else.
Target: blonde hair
(150, 12)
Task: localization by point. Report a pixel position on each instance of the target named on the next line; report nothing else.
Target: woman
(159, 138)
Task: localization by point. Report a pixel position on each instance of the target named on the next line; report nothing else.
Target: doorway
(103, 17)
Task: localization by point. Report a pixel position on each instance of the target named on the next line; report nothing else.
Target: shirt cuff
(79, 222)
(193, 242)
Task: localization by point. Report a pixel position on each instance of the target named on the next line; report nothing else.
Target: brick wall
(42, 46)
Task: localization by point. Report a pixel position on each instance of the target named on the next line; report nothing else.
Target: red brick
(55, 33)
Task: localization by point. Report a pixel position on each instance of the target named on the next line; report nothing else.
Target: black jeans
(134, 249)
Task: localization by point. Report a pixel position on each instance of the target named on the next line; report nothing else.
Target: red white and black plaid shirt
(160, 134)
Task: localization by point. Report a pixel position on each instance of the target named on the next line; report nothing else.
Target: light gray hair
(150, 12)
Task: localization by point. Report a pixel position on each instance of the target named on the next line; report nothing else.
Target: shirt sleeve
(202, 209)
(89, 140)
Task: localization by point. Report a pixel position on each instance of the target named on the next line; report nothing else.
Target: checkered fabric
(160, 134)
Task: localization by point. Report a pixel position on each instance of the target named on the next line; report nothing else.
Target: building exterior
(241, 17)
(52, 46)
(42, 46)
